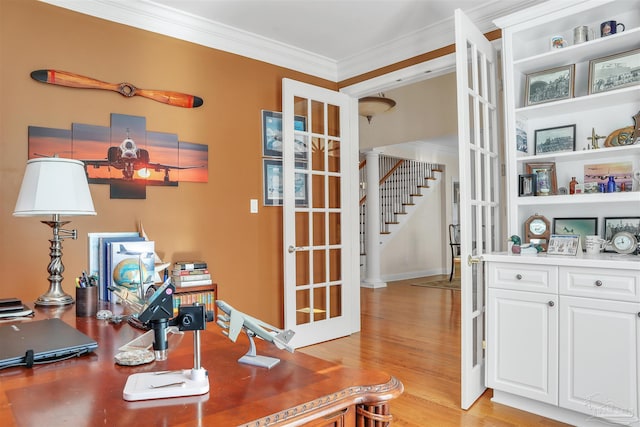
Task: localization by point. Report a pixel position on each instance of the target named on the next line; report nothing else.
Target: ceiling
(331, 39)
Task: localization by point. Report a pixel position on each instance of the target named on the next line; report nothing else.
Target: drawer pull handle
(598, 282)
(551, 303)
(519, 276)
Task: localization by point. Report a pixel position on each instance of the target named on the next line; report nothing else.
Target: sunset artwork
(124, 155)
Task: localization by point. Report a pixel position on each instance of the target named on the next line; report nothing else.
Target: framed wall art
(546, 182)
(614, 71)
(272, 135)
(555, 140)
(613, 225)
(273, 183)
(549, 85)
(576, 226)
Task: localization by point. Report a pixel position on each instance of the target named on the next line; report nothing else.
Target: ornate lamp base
(55, 296)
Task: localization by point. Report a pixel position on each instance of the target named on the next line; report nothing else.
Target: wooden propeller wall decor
(64, 78)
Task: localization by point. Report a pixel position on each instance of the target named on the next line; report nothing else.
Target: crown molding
(150, 16)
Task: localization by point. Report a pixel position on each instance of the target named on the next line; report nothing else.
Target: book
(131, 265)
(22, 311)
(189, 272)
(203, 282)
(191, 277)
(189, 265)
(104, 248)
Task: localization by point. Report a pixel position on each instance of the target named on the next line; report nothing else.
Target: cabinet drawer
(523, 277)
(614, 284)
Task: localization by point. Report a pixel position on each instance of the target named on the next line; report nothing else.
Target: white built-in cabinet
(563, 332)
(563, 336)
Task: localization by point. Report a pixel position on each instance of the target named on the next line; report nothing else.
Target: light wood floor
(413, 333)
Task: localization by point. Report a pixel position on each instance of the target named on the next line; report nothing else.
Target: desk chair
(454, 244)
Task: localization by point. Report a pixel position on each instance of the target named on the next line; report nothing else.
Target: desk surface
(87, 391)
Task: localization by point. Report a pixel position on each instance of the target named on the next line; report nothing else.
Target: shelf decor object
(57, 187)
(614, 71)
(578, 226)
(550, 85)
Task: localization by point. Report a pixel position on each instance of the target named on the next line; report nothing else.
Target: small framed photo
(614, 71)
(521, 137)
(546, 182)
(273, 183)
(549, 85)
(580, 226)
(555, 140)
(613, 225)
(272, 135)
(527, 185)
(563, 244)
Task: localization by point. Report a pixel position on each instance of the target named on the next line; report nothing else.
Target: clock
(537, 230)
(624, 242)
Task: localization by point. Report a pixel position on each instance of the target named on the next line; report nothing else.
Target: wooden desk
(87, 391)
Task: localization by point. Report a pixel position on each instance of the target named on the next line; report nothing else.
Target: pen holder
(86, 301)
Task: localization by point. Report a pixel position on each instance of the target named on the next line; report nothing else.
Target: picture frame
(563, 244)
(576, 226)
(526, 185)
(555, 140)
(273, 192)
(596, 174)
(546, 181)
(521, 137)
(550, 85)
(612, 225)
(272, 135)
(614, 71)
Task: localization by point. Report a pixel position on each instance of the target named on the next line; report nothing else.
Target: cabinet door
(599, 358)
(522, 344)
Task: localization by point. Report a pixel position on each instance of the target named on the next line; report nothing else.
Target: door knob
(291, 249)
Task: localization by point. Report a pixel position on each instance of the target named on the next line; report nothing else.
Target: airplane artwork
(234, 321)
(129, 158)
(125, 155)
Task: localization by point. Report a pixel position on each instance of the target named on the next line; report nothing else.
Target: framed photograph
(549, 85)
(546, 182)
(555, 140)
(563, 244)
(576, 226)
(272, 182)
(614, 71)
(613, 225)
(521, 137)
(527, 185)
(272, 135)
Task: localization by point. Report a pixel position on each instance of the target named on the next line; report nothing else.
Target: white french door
(479, 162)
(320, 166)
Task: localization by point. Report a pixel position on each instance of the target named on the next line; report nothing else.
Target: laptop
(50, 340)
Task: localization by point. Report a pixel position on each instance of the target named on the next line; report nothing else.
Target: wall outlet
(254, 206)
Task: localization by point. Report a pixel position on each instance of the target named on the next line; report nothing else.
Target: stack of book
(190, 273)
(12, 308)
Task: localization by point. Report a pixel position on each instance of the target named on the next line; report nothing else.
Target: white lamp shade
(54, 185)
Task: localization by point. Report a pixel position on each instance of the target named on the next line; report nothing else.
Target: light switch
(254, 206)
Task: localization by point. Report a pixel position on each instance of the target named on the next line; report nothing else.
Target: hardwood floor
(413, 333)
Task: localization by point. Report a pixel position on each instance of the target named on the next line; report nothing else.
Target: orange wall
(204, 221)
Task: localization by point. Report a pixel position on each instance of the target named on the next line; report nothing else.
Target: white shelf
(593, 49)
(593, 198)
(581, 103)
(601, 154)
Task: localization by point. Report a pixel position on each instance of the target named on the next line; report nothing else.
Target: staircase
(402, 184)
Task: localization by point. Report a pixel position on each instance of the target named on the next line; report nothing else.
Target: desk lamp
(55, 186)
